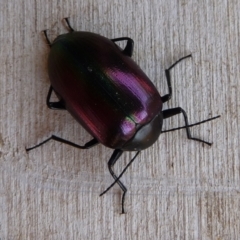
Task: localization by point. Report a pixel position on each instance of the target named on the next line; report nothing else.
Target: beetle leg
(69, 25)
(115, 156)
(47, 39)
(128, 50)
(54, 105)
(168, 96)
(87, 145)
(174, 111)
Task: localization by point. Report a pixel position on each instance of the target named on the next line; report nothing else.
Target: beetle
(100, 85)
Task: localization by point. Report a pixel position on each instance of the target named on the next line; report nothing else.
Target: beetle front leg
(115, 156)
(174, 111)
(54, 105)
(128, 50)
(168, 96)
(87, 145)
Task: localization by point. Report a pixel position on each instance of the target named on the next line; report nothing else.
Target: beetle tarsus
(168, 96)
(123, 200)
(179, 60)
(38, 145)
(68, 24)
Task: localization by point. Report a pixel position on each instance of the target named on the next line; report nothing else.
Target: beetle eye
(146, 135)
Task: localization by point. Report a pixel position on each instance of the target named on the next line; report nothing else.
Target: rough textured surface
(178, 189)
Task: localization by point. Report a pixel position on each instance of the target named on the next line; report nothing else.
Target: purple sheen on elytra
(130, 84)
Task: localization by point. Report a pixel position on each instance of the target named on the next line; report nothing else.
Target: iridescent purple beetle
(100, 85)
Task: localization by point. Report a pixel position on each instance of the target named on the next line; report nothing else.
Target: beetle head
(145, 136)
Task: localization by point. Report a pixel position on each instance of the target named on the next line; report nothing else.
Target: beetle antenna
(117, 179)
(191, 125)
(69, 25)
